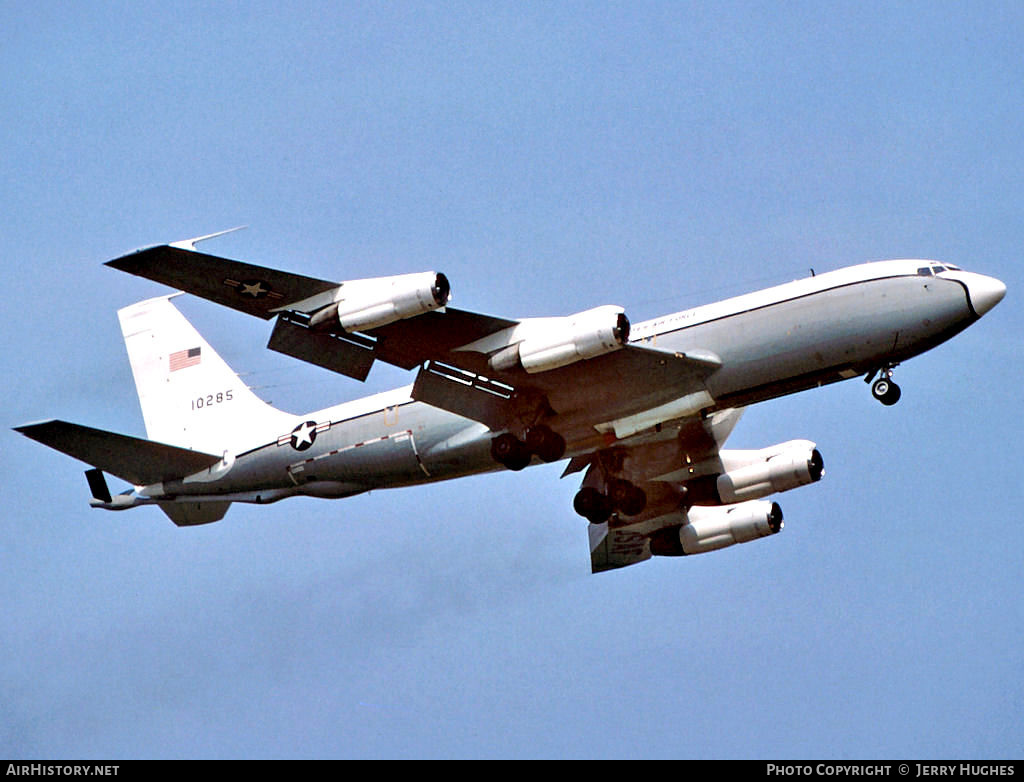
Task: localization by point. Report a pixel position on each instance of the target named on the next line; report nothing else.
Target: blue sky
(548, 157)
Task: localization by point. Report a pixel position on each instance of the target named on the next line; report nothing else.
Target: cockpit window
(925, 271)
(938, 269)
(952, 268)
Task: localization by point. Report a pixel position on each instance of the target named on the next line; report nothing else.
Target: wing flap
(140, 462)
(465, 394)
(345, 354)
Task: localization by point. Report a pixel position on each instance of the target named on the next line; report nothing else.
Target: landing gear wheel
(592, 505)
(885, 391)
(548, 445)
(506, 449)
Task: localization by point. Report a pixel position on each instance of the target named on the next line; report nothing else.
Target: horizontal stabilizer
(140, 462)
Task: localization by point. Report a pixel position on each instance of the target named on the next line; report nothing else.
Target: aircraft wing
(610, 394)
(254, 290)
(654, 467)
(294, 299)
(503, 372)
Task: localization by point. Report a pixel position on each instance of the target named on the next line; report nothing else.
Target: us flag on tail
(185, 358)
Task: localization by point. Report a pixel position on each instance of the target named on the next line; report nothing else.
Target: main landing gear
(513, 453)
(622, 496)
(884, 389)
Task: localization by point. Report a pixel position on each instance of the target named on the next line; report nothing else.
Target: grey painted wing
(254, 290)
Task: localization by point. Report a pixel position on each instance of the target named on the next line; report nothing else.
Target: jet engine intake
(368, 304)
(564, 341)
(764, 472)
(709, 529)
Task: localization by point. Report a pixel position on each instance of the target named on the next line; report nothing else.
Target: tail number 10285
(211, 399)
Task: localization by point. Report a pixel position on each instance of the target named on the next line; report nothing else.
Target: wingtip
(121, 262)
(27, 427)
(190, 244)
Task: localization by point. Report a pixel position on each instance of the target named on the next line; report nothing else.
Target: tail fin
(189, 396)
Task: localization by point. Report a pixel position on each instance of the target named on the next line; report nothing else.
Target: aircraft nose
(985, 292)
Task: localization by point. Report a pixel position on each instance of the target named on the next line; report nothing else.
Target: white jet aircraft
(642, 411)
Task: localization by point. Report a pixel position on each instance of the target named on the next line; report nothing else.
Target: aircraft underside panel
(191, 513)
(386, 459)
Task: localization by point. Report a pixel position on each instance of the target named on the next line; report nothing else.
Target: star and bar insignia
(304, 435)
(253, 289)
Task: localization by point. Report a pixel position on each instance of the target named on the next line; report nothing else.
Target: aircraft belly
(464, 448)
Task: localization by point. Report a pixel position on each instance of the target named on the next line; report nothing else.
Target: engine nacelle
(709, 529)
(751, 475)
(363, 305)
(551, 343)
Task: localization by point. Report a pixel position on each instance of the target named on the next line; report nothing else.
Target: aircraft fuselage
(778, 341)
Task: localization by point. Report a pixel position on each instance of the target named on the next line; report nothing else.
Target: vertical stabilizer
(189, 396)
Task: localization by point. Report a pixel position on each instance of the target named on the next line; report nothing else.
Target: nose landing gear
(884, 389)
